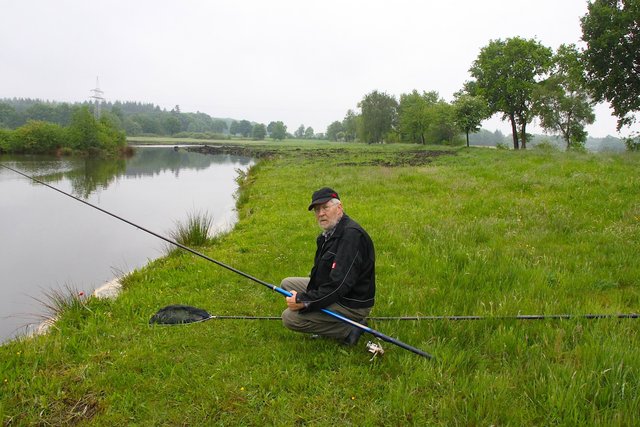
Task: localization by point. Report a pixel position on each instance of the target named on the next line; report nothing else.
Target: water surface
(49, 241)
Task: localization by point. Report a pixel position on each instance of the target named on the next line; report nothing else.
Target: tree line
(521, 79)
(137, 119)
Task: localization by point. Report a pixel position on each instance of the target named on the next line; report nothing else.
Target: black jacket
(343, 270)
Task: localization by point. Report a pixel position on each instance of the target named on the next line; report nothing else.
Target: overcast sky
(301, 62)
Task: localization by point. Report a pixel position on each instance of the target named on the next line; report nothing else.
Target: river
(50, 242)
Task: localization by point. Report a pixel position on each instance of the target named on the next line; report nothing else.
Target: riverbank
(478, 232)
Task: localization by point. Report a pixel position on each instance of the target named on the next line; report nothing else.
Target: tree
(245, 128)
(350, 126)
(171, 124)
(379, 114)
(413, 117)
(299, 133)
(506, 74)
(8, 116)
(258, 132)
(611, 30)
(442, 126)
(233, 128)
(425, 118)
(131, 127)
(83, 131)
(149, 123)
(42, 112)
(88, 134)
(562, 101)
(334, 130)
(277, 130)
(270, 127)
(308, 133)
(469, 112)
(219, 126)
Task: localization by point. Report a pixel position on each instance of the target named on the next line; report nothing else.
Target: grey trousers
(317, 322)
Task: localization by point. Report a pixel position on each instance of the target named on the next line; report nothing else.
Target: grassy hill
(492, 233)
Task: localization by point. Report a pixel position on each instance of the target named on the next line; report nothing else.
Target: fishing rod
(457, 318)
(275, 288)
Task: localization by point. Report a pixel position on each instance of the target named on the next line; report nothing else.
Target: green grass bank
(457, 232)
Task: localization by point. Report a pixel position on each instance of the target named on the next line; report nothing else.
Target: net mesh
(176, 314)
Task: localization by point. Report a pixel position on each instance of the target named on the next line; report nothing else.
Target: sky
(297, 61)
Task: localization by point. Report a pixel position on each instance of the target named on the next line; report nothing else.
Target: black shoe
(354, 336)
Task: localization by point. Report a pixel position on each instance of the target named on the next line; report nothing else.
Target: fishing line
(275, 288)
(453, 318)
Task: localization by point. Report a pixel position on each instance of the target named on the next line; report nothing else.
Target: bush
(546, 146)
(94, 136)
(83, 130)
(37, 137)
(85, 135)
(5, 138)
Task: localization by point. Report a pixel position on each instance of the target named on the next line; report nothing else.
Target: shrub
(546, 146)
(83, 130)
(5, 140)
(38, 137)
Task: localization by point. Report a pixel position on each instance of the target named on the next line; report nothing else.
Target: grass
(485, 232)
(194, 231)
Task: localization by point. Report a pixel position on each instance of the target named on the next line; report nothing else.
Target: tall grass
(194, 231)
(487, 232)
(56, 301)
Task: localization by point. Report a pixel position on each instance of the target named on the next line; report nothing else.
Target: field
(458, 231)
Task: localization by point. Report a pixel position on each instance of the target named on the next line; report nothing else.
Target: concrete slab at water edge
(109, 290)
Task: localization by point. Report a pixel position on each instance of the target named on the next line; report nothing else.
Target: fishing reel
(374, 348)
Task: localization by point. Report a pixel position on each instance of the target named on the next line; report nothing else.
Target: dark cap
(323, 195)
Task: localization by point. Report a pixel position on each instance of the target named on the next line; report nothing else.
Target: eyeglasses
(323, 208)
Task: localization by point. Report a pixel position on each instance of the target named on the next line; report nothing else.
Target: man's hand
(292, 304)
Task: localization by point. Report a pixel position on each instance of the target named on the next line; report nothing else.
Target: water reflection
(90, 174)
(50, 241)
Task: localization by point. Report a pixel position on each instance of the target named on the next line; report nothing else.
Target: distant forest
(135, 118)
(497, 138)
(146, 119)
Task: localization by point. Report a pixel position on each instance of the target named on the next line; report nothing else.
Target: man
(342, 278)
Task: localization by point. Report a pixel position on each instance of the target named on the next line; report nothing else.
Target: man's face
(328, 214)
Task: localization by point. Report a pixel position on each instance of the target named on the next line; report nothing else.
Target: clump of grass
(56, 302)
(194, 231)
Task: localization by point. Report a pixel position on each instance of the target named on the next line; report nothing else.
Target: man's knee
(298, 284)
(290, 319)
